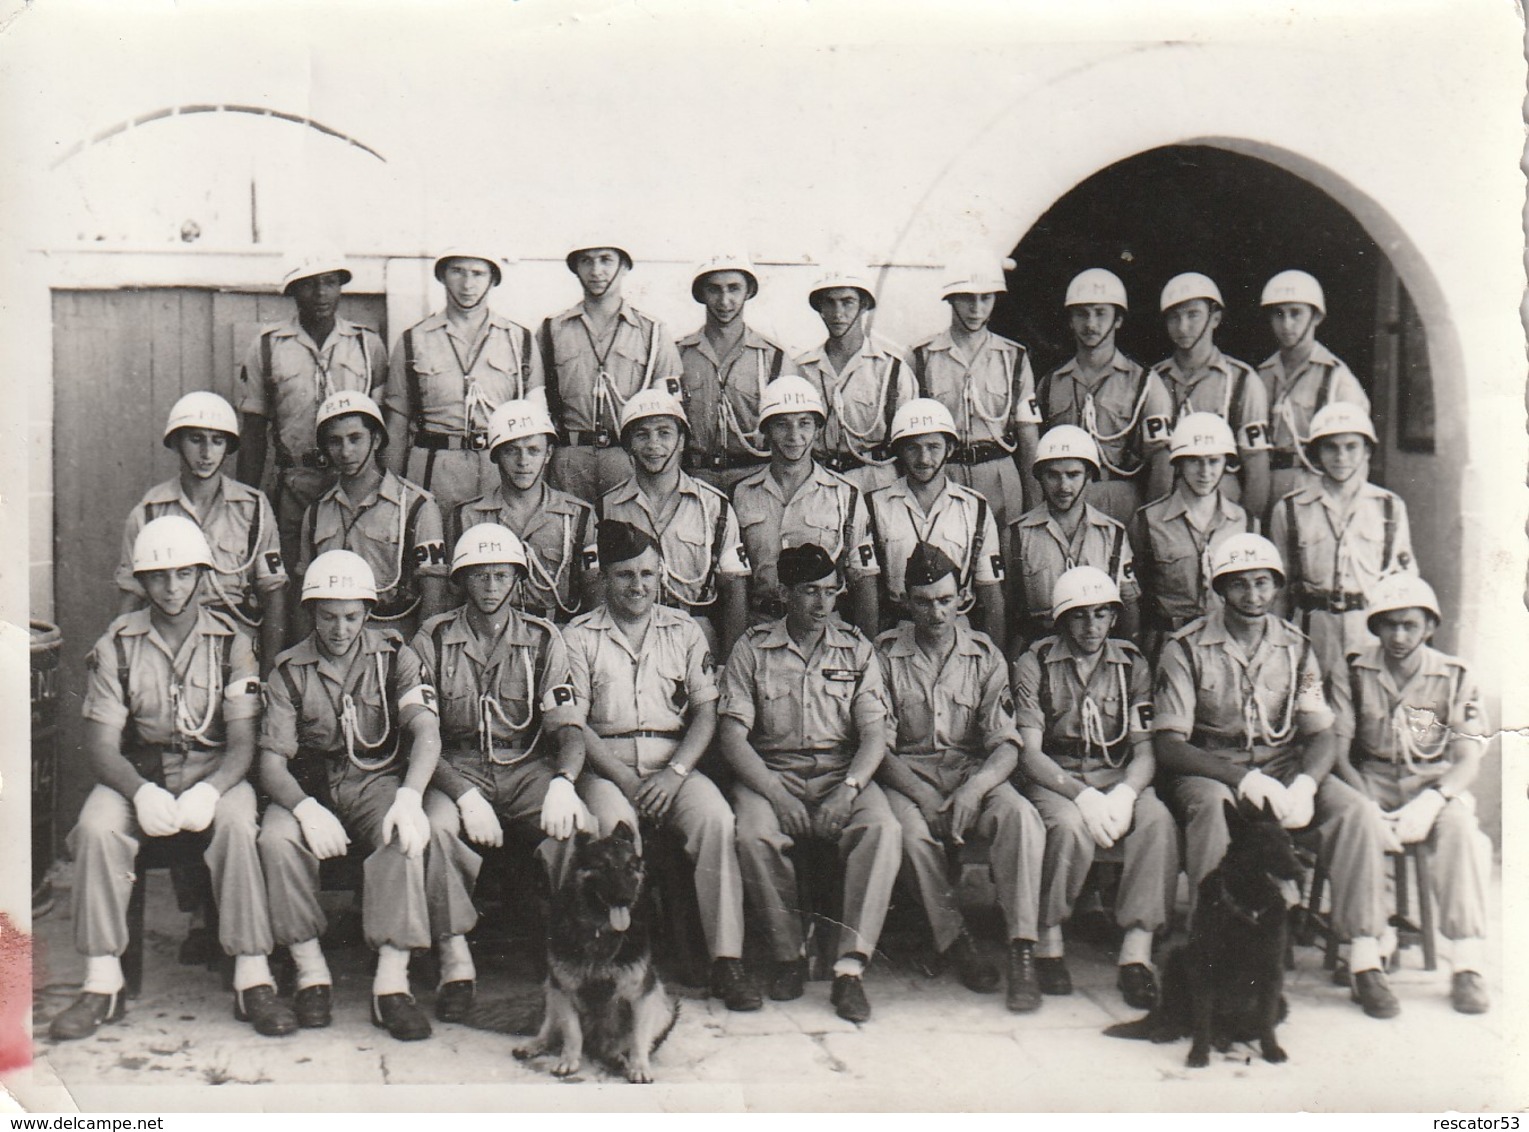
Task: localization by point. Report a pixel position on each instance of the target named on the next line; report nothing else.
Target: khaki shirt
(1412, 724)
(1295, 398)
(1050, 691)
(397, 529)
(1212, 693)
(860, 399)
(640, 356)
(699, 539)
(1327, 552)
(1173, 567)
(958, 704)
(1128, 412)
(618, 691)
(559, 538)
(285, 377)
(1224, 386)
(960, 523)
(1041, 553)
(447, 384)
(722, 394)
(241, 533)
(990, 394)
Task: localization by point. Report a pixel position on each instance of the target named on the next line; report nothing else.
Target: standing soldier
(1084, 707)
(645, 693)
(1201, 379)
(924, 506)
(1301, 377)
(803, 724)
(598, 353)
(1121, 405)
(391, 523)
(727, 365)
(862, 379)
(1063, 532)
(1240, 713)
(502, 676)
(1411, 732)
(291, 369)
(947, 774)
(1175, 536)
(337, 709)
(1342, 535)
(704, 570)
(449, 372)
(795, 500)
(556, 530)
(170, 709)
(987, 385)
(247, 581)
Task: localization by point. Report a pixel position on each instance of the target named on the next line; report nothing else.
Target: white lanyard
(1093, 724)
(350, 724)
(185, 726)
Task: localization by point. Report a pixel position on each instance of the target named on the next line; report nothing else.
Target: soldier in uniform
(505, 703)
(1301, 377)
(727, 365)
(1063, 532)
(170, 708)
(986, 383)
(598, 353)
(947, 774)
(1084, 708)
(556, 530)
(704, 569)
(804, 727)
(1342, 534)
(925, 506)
(247, 582)
(1174, 537)
(1121, 405)
(645, 695)
(1240, 713)
(1411, 733)
(449, 372)
(290, 369)
(795, 500)
(392, 523)
(338, 706)
(862, 379)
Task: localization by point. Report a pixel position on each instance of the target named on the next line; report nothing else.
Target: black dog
(1226, 983)
(603, 995)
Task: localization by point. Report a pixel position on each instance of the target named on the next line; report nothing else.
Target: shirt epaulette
(1188, 630)
(221, 619)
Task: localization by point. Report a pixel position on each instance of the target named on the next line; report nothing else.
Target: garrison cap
(616, 542)
(798, 565)
(927, 565)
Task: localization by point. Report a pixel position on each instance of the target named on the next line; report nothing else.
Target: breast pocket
(779, 708)
(501, 373)
(963, 706)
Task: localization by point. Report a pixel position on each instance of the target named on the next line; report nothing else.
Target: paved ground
(931, 1044)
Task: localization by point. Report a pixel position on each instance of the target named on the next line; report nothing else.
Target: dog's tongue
(621, 918)
(1291, 892)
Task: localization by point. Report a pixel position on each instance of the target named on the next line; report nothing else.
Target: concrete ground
(931, 1044)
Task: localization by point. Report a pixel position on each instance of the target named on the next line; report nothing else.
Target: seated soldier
(803, 724)
(1411, 731)
(947, 775)
(170, 710)
(338, 706)
(1239, 712)
(645, 691)
(1084, 707)
(502, 679)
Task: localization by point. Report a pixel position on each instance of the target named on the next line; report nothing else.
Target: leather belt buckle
(477, 440)
(602, 437)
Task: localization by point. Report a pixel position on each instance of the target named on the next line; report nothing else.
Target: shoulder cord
(861, 443)
(607, 397)
(1255, 720)
(1089, 417)
(1287, 413)
(350, 723)
(544, 579)
(1093, 724)
(185, 726)
(403, 534)
(968, 594)
(970, 407)
(490, 710)
(1408, 742)
(727, 416)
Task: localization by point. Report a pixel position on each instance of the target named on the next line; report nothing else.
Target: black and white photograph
(816, 556)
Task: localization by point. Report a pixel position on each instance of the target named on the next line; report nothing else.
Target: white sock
(849, 965)
(312, 969)
(1136, 947)
(456, 960)
(252, 971)
(1467, 954)
(103, 974)
(1049, 946)
(1364, 954)
(392, 971)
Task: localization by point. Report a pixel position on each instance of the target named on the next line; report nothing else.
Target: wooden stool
(1408, 933)
(182, 853)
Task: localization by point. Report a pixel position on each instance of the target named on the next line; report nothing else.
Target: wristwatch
(1443, 793)
(682, 771)
(853, 783)
(569, 775)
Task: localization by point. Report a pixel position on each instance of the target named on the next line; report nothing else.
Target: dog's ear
(1234, 818)
(582, 839)
(623, 832)
(1265, 813)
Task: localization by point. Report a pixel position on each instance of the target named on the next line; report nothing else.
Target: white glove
(157, 813)
(196, 807)
(479, 819)
(563, 811)
(321, 829)
(1095, 808)
(1414, 821)
(406, 817)
(1122, 802)
(1258, 788)
(1300, 802)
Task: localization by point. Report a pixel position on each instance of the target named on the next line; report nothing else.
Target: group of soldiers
(892, 601)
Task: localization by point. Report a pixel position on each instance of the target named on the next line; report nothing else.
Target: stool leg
(132, 957)
(1403, 897)
(1420, 854)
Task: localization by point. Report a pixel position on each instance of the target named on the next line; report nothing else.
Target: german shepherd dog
(1225, 984)
(603, 996)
